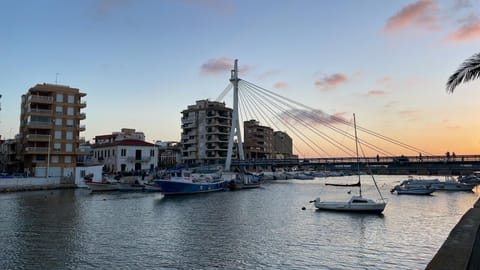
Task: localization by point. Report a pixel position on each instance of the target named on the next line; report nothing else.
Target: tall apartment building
(258, 140)
(49, 129)
(282, 145)
(205, 132)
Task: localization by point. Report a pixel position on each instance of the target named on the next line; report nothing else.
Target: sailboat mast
(235, 125)
(356, 150)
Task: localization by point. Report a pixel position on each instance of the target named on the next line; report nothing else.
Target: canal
(253, 229)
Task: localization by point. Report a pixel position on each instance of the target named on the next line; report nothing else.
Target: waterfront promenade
(461, 250)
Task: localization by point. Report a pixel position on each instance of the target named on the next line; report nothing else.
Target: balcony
(142, 159)
(83, 104)
(39, 124)
(82, 116)
(37, 137)
(40, 99)
(82, 128)
(32, 150)
(39, 111)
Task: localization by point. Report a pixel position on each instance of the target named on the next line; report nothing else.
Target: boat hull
(153, 187)
(130, 187)
(101, 186)
(173, 187)
(355, 205)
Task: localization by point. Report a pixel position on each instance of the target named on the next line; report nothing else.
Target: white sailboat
(356, 203)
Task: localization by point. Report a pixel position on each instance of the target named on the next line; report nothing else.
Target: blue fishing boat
(185, 183)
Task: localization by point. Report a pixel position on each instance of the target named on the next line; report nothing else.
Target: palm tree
(469, 70)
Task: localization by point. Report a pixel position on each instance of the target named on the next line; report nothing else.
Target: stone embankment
(461, 250)
(35, 183)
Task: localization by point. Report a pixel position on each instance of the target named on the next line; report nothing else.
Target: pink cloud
(422, 13)
(280, 85)
(332, 81)
(221, 65)
(312, 117)
(470, 30)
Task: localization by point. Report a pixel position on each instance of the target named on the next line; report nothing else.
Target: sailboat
(357, 203)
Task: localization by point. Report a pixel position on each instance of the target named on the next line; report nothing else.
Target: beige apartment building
(49, 129)
(205, 132)
(258, 140)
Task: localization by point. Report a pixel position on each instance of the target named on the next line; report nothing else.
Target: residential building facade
(205, 132)
(49, 129)
(282, 145)
(258, 140)
(125, 151)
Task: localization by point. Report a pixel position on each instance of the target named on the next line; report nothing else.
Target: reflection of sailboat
(243, 179)
(356, 203)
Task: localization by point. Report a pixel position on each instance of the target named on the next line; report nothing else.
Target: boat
(181, 182)
(104, 185)
(244, 180)
(418, 190)
(357, 203)
(450, 184)
(152, 187)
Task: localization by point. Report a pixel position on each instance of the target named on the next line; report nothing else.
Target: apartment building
(205, 132)
(282, 145)
(258, 140)
(49, 129)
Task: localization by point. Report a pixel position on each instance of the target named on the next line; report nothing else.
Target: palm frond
(469, 70)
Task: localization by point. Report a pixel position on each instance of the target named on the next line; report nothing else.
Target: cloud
(280, 85)
(422, 13)
(469, 30)
(221, 65)
(376, 93)
(331, 81)
(312, 117)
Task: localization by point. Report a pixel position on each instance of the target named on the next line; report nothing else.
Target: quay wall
(34, 183)
(461, 250)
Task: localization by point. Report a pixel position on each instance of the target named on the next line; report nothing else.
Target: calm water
(251, 229)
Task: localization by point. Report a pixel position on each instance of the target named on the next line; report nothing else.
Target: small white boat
(418, 190)
(153, 187)
(101, 186)
(355, 204)
(450, 184)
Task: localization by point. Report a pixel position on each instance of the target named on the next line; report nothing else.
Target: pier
(392, 165)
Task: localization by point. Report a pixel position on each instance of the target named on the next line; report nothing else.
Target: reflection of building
(257, 140)
(205, 131)
(282, 145)
(125, 151)
(49, 129)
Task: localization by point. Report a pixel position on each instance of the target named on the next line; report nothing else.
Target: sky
(142, 62)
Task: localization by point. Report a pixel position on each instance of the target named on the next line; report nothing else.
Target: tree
(469, 70)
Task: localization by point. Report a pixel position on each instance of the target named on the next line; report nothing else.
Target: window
(83, 173)
(54, 159)
(59, 97)
(68, 147)
(123, 152)
(152, 152)
(58, 134)
(69, 135)
(59, 109)
(58, 122)
(67, 159)
(70, 111)
(57, 146)
(71, 99)
(69, 122)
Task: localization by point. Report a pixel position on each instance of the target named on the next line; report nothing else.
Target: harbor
(263, 228)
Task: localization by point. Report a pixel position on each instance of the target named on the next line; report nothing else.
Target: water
(252, 229)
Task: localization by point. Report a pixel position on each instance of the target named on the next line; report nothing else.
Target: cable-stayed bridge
(326, 140)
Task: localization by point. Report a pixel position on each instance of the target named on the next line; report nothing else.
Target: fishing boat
(152, 187)
(243, 180)
(357, 204)
(450, 184)
(104, 185)
(181, 182)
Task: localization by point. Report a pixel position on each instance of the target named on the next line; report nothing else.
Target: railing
(35, 110)
(38, 137)
(36, 149)
(39, 123)
(40, 98)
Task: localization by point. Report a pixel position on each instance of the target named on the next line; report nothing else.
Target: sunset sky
(142, 62)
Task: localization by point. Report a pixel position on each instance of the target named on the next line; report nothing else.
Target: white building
(125, 152)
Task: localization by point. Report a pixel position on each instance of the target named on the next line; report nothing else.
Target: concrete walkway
(461, 250)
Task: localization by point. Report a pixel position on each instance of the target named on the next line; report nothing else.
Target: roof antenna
(56, 78)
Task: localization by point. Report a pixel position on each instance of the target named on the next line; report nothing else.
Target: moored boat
(418, 190)
(450, 184)
(101, 186)
(189, 186)
(153, 187)
(356, 204)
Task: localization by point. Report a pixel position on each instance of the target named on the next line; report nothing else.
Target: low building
(125, 151)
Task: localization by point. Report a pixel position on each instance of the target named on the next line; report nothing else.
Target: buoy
(303, 208)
